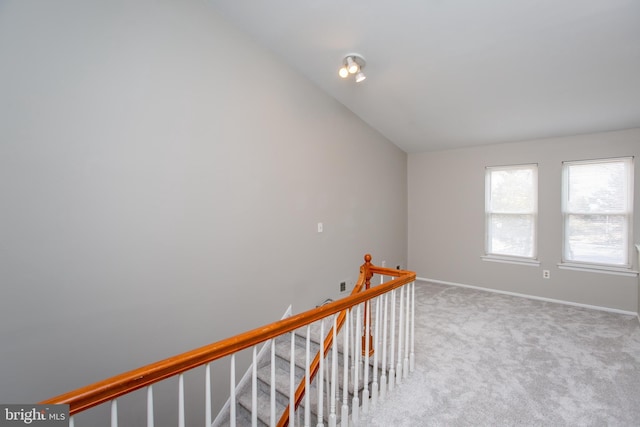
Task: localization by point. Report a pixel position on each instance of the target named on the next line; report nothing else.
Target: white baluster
(292, 380)
(365, 367)
(254, 389)
(344, 420)
(320, 380)
(150, 406)
(400, 335)
(355, 402)
(392, 331)
(327, 388)
(354, 340)
(114, 413)
(307, 361)
(180, 400)
(273, 382)
(72, 422)
(376, 351)
(207, 393)
(383, 366)
(412, 358)
(405, 368)
(334, 371)
(232, 392)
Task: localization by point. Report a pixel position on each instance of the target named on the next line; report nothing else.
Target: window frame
(510, 258)
(627, 215)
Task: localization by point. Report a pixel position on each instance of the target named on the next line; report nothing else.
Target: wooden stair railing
(366, 272)
(106, 390)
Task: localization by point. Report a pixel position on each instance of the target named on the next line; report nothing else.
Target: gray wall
(446, 219)
(161, 178)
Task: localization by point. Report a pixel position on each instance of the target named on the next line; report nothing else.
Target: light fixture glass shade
(360, 77)
(352, 65)
(343, 72)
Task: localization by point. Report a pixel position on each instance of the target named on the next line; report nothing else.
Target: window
(511, 208)
(597, 210)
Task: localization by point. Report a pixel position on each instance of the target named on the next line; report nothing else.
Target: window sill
(602, 269)
(511, 260)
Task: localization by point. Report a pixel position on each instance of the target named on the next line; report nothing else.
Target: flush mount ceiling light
(353, 64)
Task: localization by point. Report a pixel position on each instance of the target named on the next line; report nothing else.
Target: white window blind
(511, 209)
(597, 209)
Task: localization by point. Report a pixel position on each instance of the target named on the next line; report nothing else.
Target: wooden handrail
(363, 280)
(119, 385)
(366, 272)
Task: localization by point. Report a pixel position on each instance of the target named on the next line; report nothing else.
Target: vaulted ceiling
(455, 73)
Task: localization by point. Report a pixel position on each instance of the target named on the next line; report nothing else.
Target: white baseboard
(515, 294)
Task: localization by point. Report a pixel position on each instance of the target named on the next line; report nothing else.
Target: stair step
(263, 406)
(282, 377)
(282, 396)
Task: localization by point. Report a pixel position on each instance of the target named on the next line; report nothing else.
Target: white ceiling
(454, 73)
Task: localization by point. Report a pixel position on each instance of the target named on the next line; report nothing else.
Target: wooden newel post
(366, 267)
